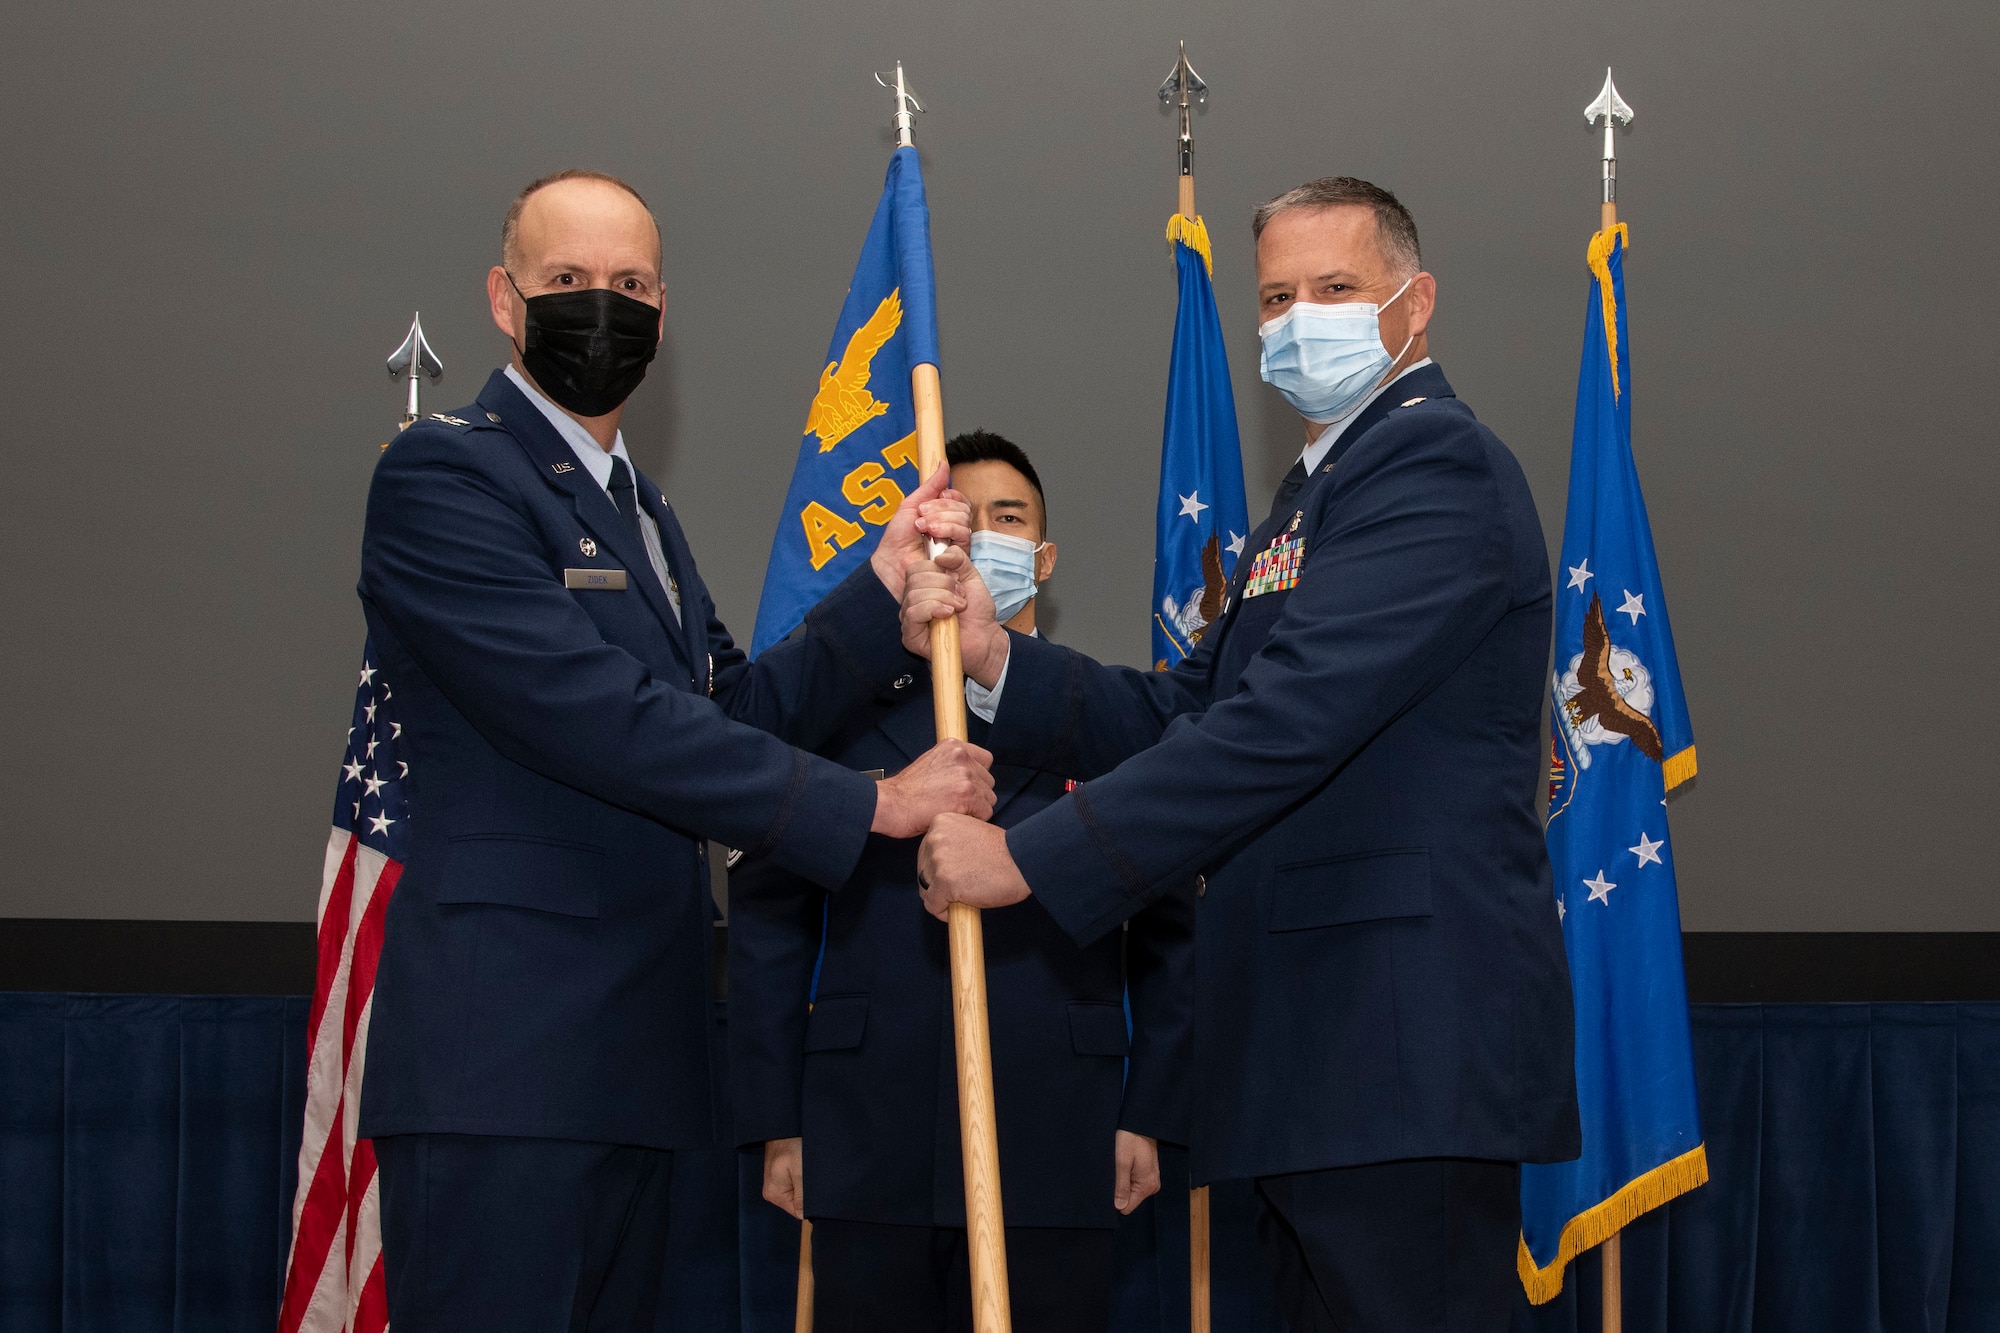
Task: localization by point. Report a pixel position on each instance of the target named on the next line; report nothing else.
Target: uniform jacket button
(903, 682)
(1201, 886)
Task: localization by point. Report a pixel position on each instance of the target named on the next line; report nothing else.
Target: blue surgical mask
(1007, 566)
(1326, 359)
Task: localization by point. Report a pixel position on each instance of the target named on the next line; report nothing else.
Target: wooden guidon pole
(802, 1321)
(986, 1235)
(1198, 1260)
(1184, 89)
(1614, 1283)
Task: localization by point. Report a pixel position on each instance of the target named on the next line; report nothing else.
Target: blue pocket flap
(1098, 1029)
(1339, 891)
(544, 876)
(837, 1023)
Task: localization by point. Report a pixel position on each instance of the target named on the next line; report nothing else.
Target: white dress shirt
(596, 461)
(982, 702)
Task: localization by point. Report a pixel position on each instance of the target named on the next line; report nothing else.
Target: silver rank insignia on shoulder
(1412, 402)
(560, 468)
(586, 545)
(449, 420)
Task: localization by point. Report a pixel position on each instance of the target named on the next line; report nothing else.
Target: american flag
(333, 1279)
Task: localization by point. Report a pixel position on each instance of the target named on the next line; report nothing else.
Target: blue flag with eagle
(859, 455)
(1202, 519)
(1620, 742)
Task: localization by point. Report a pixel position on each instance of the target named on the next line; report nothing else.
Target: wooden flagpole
(1611, 1252)
(802, 1320)
(1198, 1303)
(1611, 108)
(978, 1125)
(986, 1235)
(1183, 89)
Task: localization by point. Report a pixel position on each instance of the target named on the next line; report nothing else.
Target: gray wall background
(219, 216)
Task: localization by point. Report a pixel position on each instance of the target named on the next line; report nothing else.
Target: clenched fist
(949, 586)
(952, 777)
(964, 861)
(932, 512)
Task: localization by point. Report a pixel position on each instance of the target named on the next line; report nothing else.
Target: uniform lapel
(1423, 382)
(558, 466)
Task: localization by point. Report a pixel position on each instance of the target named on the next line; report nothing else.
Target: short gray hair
(1393, 224)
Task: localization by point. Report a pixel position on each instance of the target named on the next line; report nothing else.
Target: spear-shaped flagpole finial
(1185, 88)
(415, 359)
(906, 103)
(1610, 108)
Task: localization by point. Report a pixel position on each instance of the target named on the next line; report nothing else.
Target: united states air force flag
(1621, 741)
(859, 454)
(1202, 520)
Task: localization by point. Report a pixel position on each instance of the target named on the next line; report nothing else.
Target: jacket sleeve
(454, 567)
(1159, 982)
(775, 922)
(806, 687)
(1063, 713)
(1407, 571)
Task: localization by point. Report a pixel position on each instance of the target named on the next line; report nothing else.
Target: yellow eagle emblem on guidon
(843, 404)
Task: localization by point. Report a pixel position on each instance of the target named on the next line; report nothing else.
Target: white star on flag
(1647, 851)
(1561, 911)
(1235, 546)
(1600, 889)
(367, 673)
(1635, 605)
(370, 710)
(379, 823)
(353, 771)
(373, 786)
(1580, 574)
(1191, 506)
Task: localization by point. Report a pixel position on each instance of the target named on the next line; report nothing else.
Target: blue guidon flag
(859, 455)
(1621, 741)
(1202, 519)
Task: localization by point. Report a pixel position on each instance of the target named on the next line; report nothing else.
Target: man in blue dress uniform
(1347, 767)
(856, 1101)
(576, 722)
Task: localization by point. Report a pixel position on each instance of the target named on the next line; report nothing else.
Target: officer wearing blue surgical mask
(1341, 318)
(1010, 547)
(841, 1054)
(1346, 767)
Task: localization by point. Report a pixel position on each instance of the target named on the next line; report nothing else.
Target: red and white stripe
(333, 1279)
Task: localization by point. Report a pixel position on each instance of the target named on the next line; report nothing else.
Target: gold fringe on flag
(1193, 233)
(1594, 1226)
(1599, 259)
(1680, 767)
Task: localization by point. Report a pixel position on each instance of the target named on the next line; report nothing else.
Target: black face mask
(589, 348)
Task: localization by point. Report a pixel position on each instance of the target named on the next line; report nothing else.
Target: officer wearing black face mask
(576, 721)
